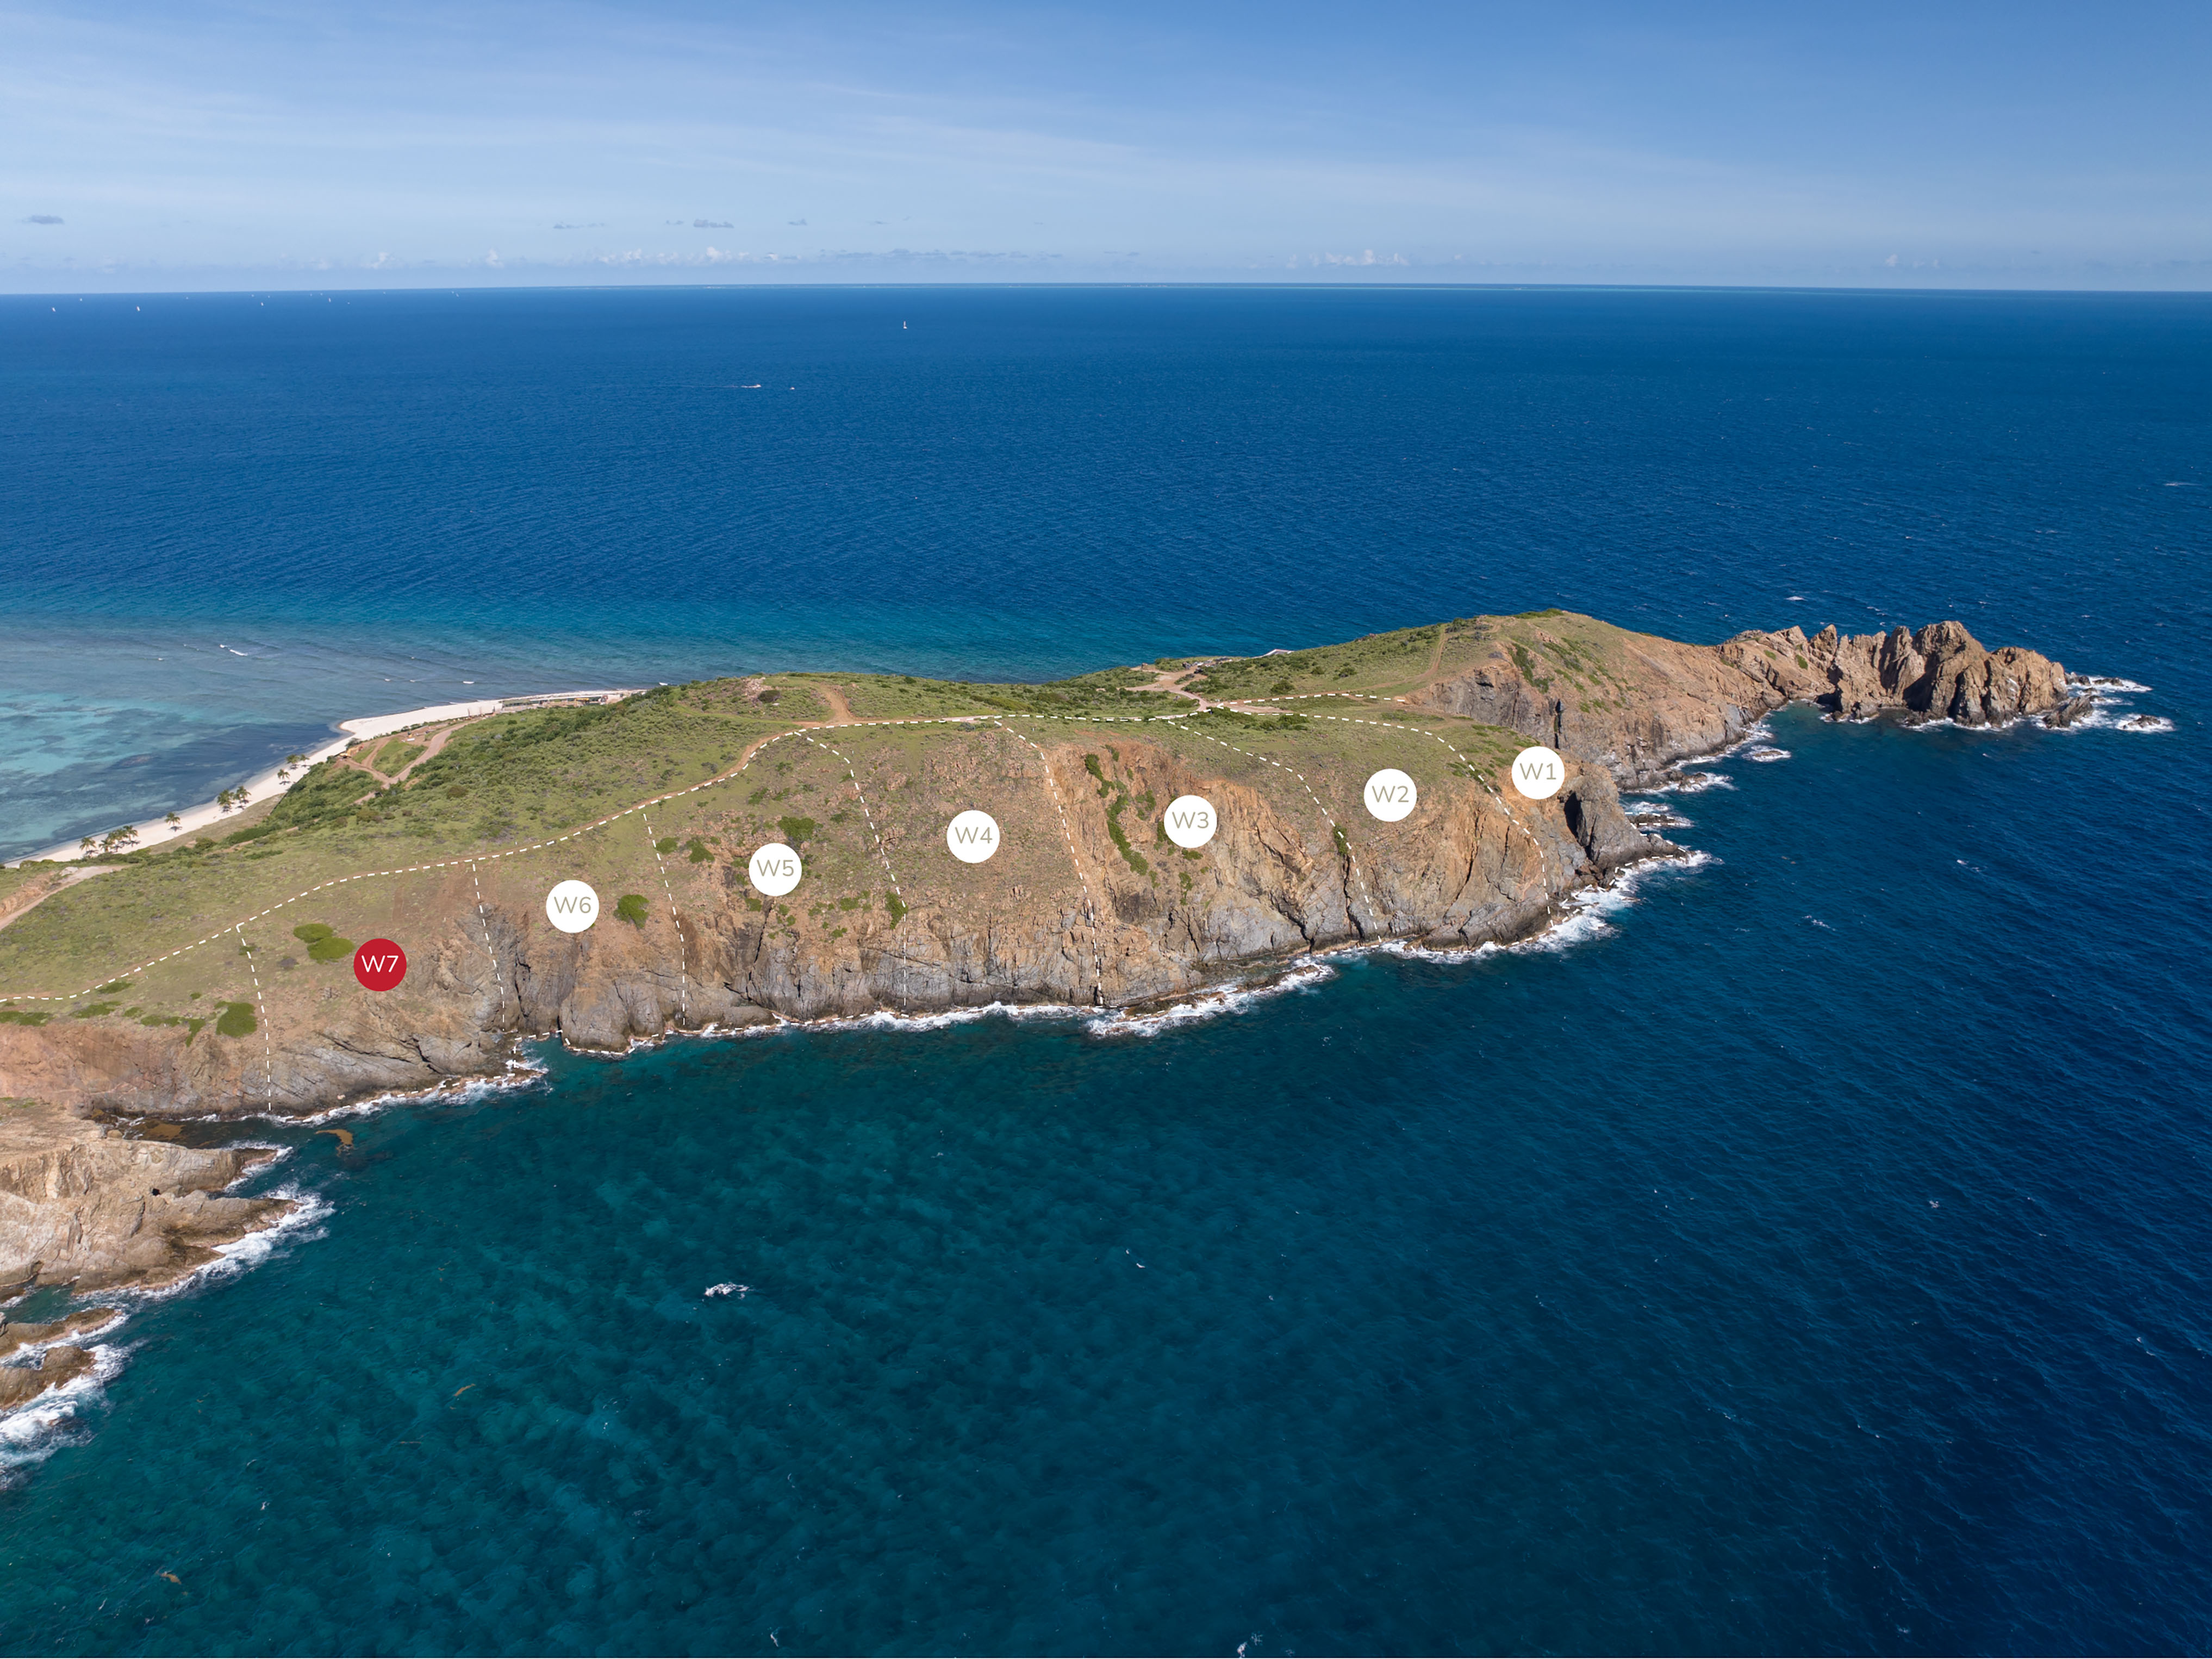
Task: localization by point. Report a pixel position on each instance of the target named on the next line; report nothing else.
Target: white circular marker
(572, 906)
(1391, 794)
(775, 870)
(972, 836)
(1190, 820)
(1537, 773)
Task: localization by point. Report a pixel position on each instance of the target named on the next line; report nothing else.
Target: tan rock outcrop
(21, 1384)
(15, 1337)
(1640, 705)
(95, 1207)
(1941, 672)
(1082, 926)
(1087, 904)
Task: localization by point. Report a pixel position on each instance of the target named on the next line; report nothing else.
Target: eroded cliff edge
(1089, 906)
(1639, 705)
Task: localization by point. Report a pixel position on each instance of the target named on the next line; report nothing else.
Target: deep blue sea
(1809, 1251)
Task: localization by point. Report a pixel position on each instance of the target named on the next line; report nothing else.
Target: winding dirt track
(839, 707)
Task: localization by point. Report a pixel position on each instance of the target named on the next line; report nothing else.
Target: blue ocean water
(1805, 1252)
(231, 520)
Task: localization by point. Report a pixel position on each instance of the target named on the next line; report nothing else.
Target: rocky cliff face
(1941, 672)
(84, 1203)
(1091, 930)
(1089, 905)
(1639, 705)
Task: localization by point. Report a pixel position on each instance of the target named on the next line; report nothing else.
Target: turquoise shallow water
(1806, 1255)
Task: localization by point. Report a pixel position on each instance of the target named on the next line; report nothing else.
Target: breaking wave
(520, 1073)
(35, 1430)
(2113, 711)
(1690, 783)
(1210, 1005)
(38, 1428)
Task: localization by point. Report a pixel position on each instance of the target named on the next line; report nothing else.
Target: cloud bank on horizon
(204, 144)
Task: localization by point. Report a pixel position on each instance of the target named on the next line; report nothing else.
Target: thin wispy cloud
(1723, 146)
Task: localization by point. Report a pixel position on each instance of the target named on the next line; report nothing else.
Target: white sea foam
(890, 1019)
(33, 1431)
(2082, 682)
(880, 1019)
(1589, 913)
(887, 1020)
(79, 1338)
(1305, 973)
(38, 1429)
(1754, 736)
(1584, 915)
(2110, 716)
(517, 1073)
(1770, 754)
(305, 1223)
(1690, 783)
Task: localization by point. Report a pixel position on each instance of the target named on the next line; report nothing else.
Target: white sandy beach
(277, 780)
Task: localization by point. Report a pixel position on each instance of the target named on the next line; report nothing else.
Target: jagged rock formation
(82, 1203)
(1942, 672)
(1639, 705)
(14, 1338)
(1087, 904)
(1273, 885)
(21, 1384)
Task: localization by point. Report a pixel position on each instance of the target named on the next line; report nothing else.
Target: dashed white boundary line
(882, 850)
(484, 919)
(1090, 911)
(1336, 831)
(261, 1014)
(721, 778)
(675, 919)
(1474, 773)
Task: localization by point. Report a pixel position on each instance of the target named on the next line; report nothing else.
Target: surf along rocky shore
(210, 990)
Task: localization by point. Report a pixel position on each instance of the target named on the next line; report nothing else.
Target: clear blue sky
(194, 145)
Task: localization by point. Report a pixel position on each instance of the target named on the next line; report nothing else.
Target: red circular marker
(379, 964)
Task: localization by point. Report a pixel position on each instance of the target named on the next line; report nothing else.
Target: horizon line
(1370, 286)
